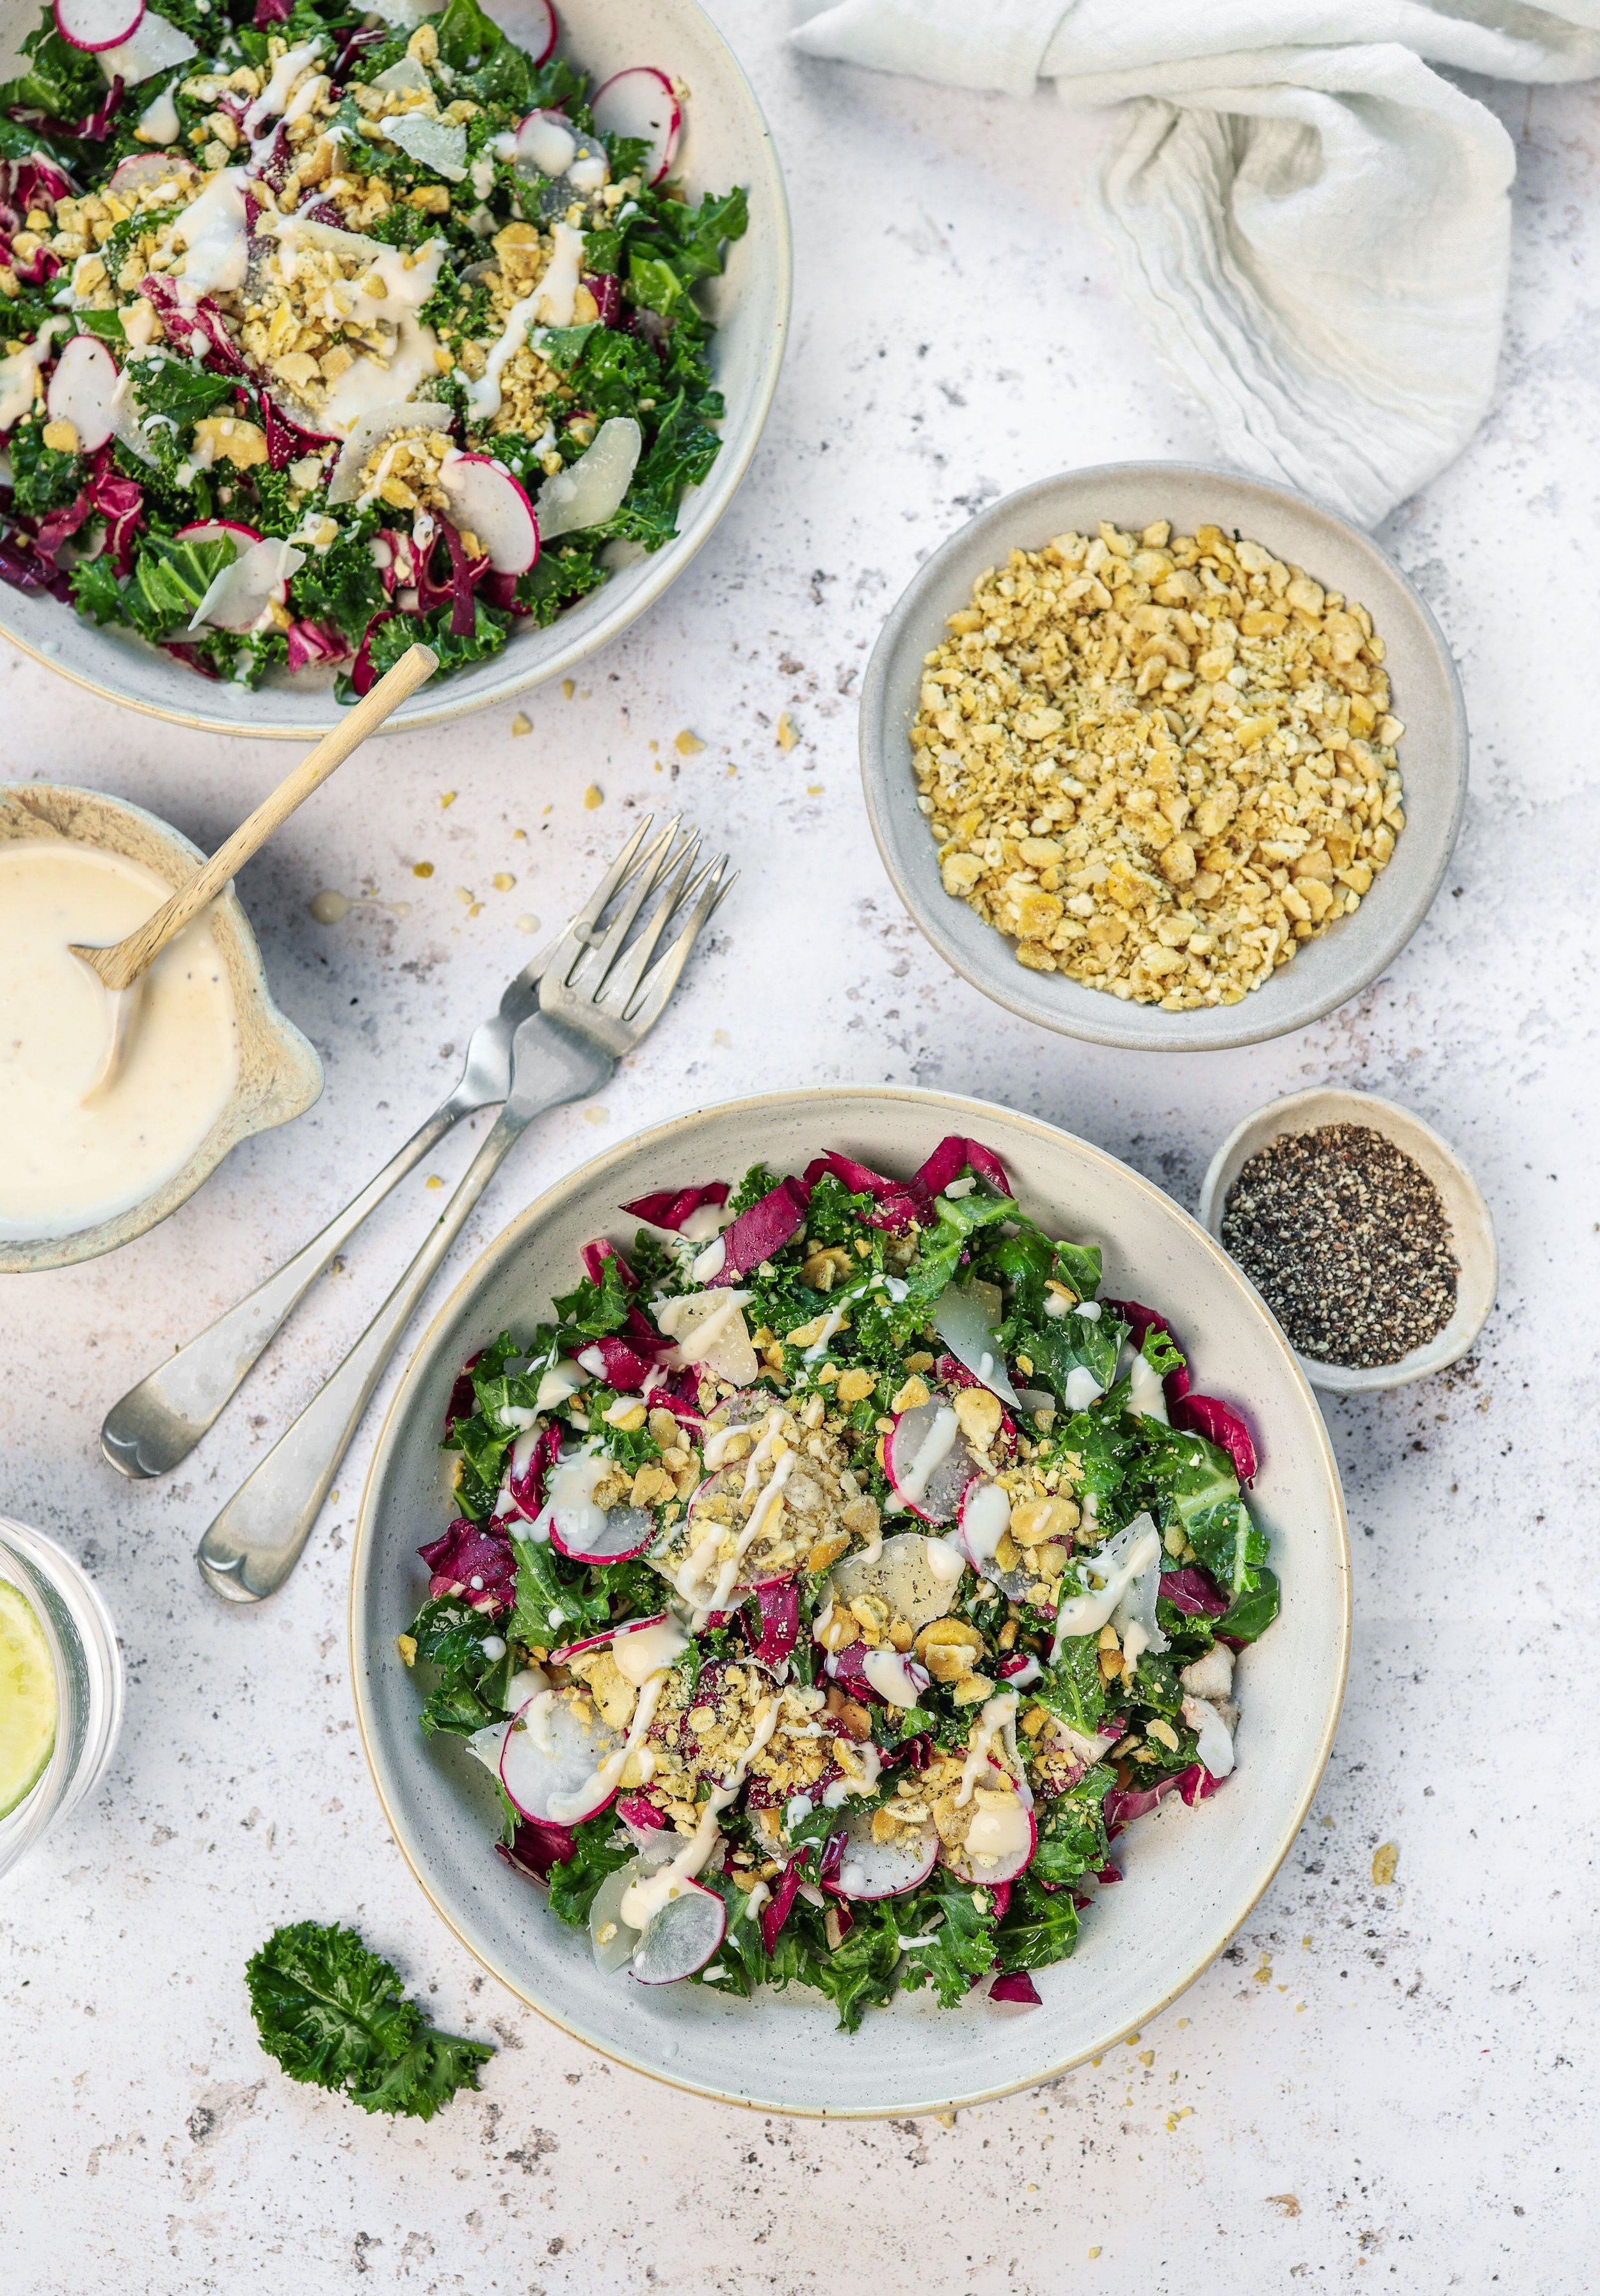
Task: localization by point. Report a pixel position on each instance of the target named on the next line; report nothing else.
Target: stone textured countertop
(1375, 2087)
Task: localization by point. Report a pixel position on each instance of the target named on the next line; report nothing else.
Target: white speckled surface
(1385, 2086)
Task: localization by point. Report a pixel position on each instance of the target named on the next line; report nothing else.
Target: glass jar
(88, 1666)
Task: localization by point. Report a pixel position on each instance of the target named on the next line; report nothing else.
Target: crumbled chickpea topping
(1160, 763)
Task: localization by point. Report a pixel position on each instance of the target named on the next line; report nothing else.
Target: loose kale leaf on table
(333, 2013)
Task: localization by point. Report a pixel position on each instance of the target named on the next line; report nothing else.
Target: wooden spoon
(122, 964)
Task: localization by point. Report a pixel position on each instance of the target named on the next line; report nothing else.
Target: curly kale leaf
(333, 2013)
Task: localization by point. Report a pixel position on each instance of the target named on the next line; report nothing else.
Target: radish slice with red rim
(141, 170)
(535, 29)
(552, 1752)
(621, 1533)
(999, 1843)
(985, 1519)
(218, 530)
(871, 1869)
(640, 103)
(615, 1950)
(488, 501)
(96, 24)
(682, 1937)
(928, 1461)
(82, 390)
(547, 144)
(918, 1577)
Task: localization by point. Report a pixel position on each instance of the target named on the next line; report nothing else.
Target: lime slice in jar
(28, 1699)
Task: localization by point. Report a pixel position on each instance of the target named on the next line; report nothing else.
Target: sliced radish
(916, 1577)
(540, 35)
(96, 24)
(883, 1869)
(141, 170)
(962, 1320)
(640, 102)
(682, 1937)
(218, 530)
(551, 1754)
(928, 1461)
(588, 493)
(618, 1535)
(242, 591)
(377, 424)
(81, 391)
(546, 144)
(1000, 1840)
(157, 44)
(486, 500)
(612, 1939)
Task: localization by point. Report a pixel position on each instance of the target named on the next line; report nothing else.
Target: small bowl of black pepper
(1364, 1233)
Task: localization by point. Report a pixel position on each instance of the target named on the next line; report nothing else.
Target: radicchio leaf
(775, 1912)
(538, 1847)
(310, 642)
(895, 1203)
(778, 1603)
(528, 1489)
(1017, 1988)
(670, 1208)
(595, 1257)
(954, 1155)
(1192, 1591)
(474, 1564)
(765, 1228)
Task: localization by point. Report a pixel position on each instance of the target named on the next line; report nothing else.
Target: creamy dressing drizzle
(549, 304)
(1086, 1614)
(985, 1520)
(567, 1808)
(833, 1321)
(994, 1717)
(645, 1898)
(1082, 1388)
(1146, 1396)
(888, 1673)
(931, 1452)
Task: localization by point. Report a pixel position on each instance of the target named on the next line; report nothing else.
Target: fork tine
(661, 979)
(573, 942)
(617, 990)
(593, 968)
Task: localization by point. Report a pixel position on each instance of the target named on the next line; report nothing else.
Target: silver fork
(599, 995)
(158, 1421)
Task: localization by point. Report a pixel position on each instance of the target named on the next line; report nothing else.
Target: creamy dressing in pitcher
(63, 1166)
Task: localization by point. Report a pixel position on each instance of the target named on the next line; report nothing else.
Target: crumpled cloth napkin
(1314, 223)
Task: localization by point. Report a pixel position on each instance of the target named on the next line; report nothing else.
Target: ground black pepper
(1348, 1242)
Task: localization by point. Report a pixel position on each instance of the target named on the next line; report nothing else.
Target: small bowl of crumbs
(1363, 1231)
(1163, 757)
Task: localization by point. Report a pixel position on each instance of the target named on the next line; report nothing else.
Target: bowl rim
(880, 783)
(1406, 1128)
(363, 1544)
(293, 1083)
(661, 569)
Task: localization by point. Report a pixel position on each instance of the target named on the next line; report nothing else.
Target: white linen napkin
(1314, 223)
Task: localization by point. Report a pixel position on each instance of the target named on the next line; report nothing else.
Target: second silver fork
(599, 994)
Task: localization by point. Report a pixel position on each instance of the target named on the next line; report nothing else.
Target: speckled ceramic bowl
(1427, 695)
(726, 142)
(1471, 1227)
(280, 1073)
(1191, 1875)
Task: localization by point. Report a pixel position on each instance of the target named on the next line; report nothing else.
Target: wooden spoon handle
(122, 965)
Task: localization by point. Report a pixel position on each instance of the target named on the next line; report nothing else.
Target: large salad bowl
(1191, 1875)
(724, 142)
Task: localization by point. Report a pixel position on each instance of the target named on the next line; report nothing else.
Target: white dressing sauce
(159, 122)
(995, 1716)
(275, 95)
(63, 1166)
(548, 304)
(19, 374)
(569, 1497)
(1146, 1396)
(708, 1265)
(1115, 1568)
(996, 1835)
(566, 1808)
(706, 1221)
(563, 1378)
(640, 1652)
(833, 1321)
(931, 1452)
(985, 1520)
(645, 1898)
(1089, 1309)
(1082, 1388)
(886, 1671)
(213, 231)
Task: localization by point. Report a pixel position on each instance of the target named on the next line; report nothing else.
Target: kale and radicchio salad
(836, 1577)
(328, 328)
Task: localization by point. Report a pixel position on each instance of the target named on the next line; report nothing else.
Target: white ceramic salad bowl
(725, 141)
(1191, 1875)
